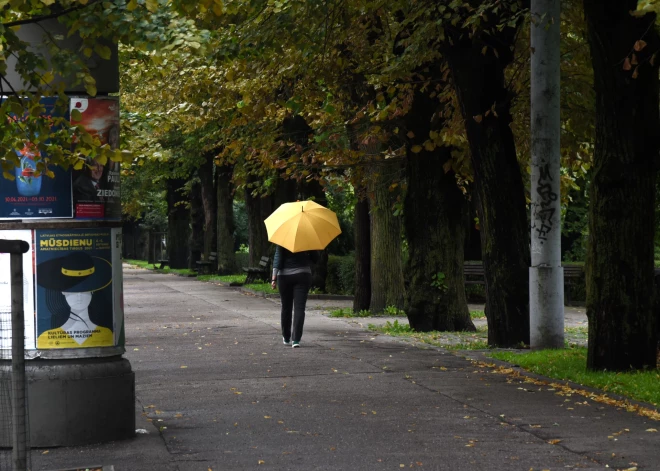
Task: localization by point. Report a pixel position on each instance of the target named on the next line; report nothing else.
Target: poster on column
(96, 187)
(32, 194)
(5, 294)
(74, 288)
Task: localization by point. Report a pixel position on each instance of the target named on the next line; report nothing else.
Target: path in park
(217, 390)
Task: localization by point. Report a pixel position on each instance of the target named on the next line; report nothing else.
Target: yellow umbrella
(303, 225)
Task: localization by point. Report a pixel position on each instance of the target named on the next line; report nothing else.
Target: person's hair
(60, 309)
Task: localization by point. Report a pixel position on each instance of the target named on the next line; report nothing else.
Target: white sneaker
(296, 344)
(285, 341)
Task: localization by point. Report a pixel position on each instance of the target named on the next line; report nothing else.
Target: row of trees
(422, 110)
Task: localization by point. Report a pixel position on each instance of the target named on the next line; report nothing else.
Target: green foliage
(340, 278)
(477, 314)
(341, 199)
(348, 312)
(438, 281)
(393, 311)
(570, 365)
(394, 328)
(261, 288)
(223, 278)
(475, 293)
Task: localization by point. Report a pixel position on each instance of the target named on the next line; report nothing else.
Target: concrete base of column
(546, 307)
(74, 402)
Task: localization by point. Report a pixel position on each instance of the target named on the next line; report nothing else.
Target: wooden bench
(474, 275)
(257, 273)
(207, 266)
(571, 273)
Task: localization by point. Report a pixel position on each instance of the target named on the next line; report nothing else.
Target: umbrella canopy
(303, 225)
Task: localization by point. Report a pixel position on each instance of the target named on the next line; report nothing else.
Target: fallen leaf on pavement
(554, 442)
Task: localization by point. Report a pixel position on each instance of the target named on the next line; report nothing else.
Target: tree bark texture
(387, 288)
(225, 220)
(435, 219)
(362, 234)
(485, 104)
(197, 220)
(209, 202)
(178, 231)
(622, 321)
(258, 209)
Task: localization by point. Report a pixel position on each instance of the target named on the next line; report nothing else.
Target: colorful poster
(5, 294)
(31, 196)
(75, 302)
(96, 188)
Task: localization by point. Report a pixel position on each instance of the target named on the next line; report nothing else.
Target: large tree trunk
(178, 231)
(225, 221)
(435, 221)
(210, 203)
(362, 234)
(387, 288)
(258, 209)
(480, 85)
(622, 322)
(196, 224)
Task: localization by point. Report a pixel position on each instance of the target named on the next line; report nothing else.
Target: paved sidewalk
(217, 390)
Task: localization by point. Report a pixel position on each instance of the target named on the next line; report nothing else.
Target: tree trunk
(210, 203)
(225, 221)
(480, 85)
(197, 220)
(178, 231)
(387, 288)
(435, 219)
(362, 294)
(622, 321)
(258, 209)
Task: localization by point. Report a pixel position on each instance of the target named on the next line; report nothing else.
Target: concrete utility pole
(546, 276)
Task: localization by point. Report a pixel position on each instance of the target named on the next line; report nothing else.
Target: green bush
(341, 274)
(242, 259)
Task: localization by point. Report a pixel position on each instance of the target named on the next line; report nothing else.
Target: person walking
(292, 274)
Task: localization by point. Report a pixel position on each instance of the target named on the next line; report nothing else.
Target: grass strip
(570, 365)
(452, 340)
(152, 266)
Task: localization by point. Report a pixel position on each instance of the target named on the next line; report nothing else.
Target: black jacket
(285, 259)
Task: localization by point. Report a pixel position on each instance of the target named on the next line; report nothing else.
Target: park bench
(257, 273)
(163, 263)
(207, 266)
(474, 275)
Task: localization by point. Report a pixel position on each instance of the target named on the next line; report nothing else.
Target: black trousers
(293, 294)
